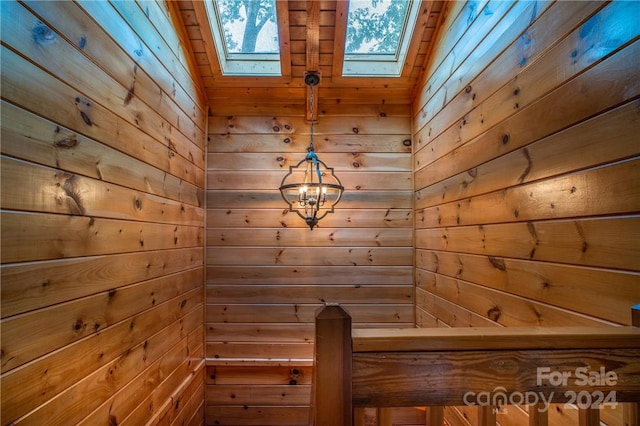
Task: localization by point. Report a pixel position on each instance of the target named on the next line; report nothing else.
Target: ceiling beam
(282, 15)
(312, 51)
(342, 13)
(202, 17)
(313, 35)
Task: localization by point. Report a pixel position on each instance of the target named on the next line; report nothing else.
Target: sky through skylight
(375, 26)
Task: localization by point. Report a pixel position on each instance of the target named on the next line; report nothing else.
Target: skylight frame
(383, 65)
(242, 64)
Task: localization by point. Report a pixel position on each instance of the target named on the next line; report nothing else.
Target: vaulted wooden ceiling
(312, 34)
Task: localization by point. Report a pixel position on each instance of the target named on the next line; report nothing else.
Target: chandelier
(311, 188)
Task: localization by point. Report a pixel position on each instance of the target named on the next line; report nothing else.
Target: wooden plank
(486, 415)
(588, 417)
(341, 218)
(548, 157)
(188, 407)
(323, 293)
(167, 69)
(287, 237)
(267, 332)
(538, 415)
(412, 59)
(458, 17)
(489, 38)
(49, 329)
(200, 12)
(259, 395)
(394, 314)
(271, 351)
(448, 314)
(400, 98)
(273, 374)
(503, 308)
(514, 131)
(483, 73)
(88, 396)
(341, 15)
(87, 77)
(30, 236)
(264, 180)
(364, 199)
(384, 416)
(330, 125)
(160, 16)
(607, 242)
(260, 332)
(256, 415)
(26, 388)
(171, 102)
(310, 256)
(309, 275)
(493, 339)
(550, 283)
(258, 92)
(144, 394)
(579, 60)
(352, 161)
(606, 190)
(46, 96)
(445, 377)
(298, 143)
(359, 416)
(435, 415)
(29, 187)
(284, 39)
(33, 138)
(324, 108)
(29, 286)
(312, 30)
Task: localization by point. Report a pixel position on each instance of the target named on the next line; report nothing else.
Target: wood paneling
(267, 273)
(525, 170)
(103, 138)
(514, 172)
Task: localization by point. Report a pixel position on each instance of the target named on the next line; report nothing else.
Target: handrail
(486, 367)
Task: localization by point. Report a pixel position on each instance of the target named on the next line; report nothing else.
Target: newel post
(332, 399)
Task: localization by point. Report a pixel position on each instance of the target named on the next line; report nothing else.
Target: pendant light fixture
(311, 188)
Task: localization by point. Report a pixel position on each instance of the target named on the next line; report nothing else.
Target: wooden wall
(267, 273)
(103, 131)
(527, 169)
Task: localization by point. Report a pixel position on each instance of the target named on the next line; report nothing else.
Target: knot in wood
(43, 35)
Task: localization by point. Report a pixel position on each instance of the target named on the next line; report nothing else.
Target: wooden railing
(484, 367)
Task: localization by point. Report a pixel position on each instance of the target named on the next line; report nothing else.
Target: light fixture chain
(311, 109)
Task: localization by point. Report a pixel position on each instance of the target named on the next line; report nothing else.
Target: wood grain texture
(444, 378)
(267, 273)
(102, 220)
(516, 102)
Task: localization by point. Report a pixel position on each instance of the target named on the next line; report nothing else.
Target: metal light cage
(311, 189)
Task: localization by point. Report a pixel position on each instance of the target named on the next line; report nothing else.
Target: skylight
(246, 36)
(378, 36)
